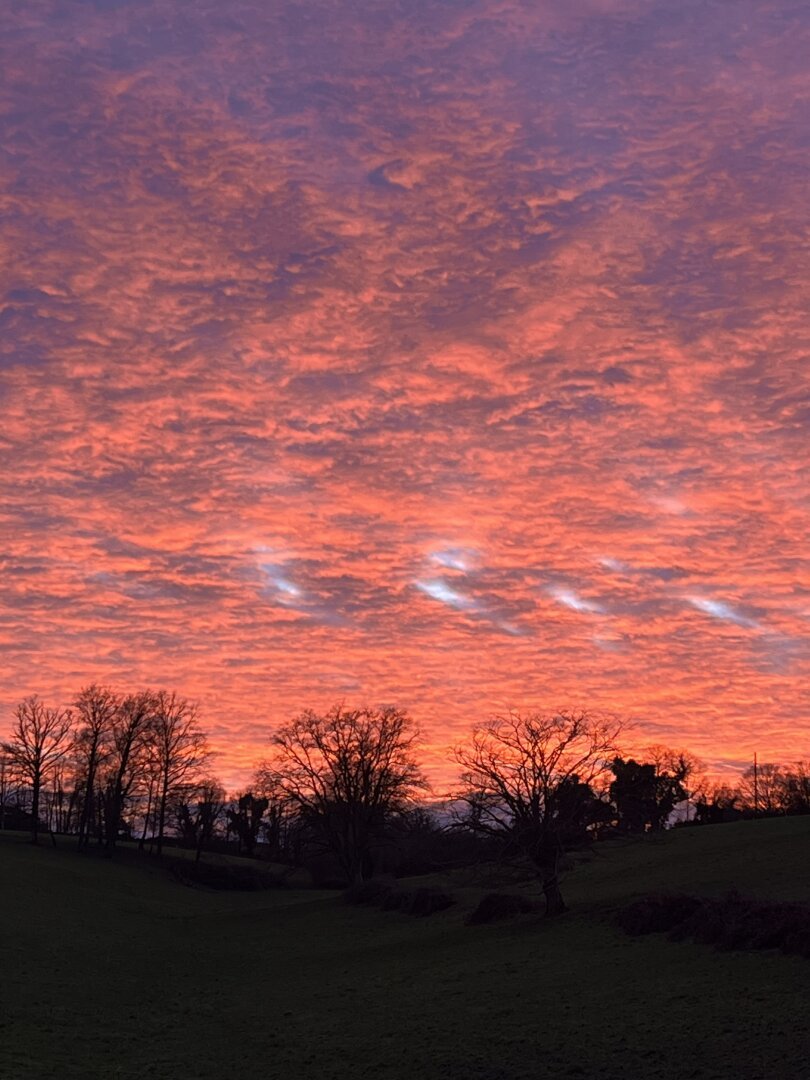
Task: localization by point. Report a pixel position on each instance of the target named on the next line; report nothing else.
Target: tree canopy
(528, 780)
(348, 772)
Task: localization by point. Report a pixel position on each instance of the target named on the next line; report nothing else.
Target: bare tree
(762, 788)
(40, 738)
(96, 711)
(60, 797)
(346, 773)
(527, 781)
(179, 747)
(149, 770)
(797, 788)
(130, 731)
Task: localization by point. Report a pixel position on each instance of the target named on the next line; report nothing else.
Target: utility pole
(756, 786)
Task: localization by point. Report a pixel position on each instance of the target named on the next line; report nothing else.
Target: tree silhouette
(527, 781)
(279, 814)
(716, 803)
(40, 738)
(635, 794)
(645, 793)
(762, 788)
(680, 772)
(796, 788)
(96, 710)
(9, 784)
(179, 749)
(198, 814)
(132, 724)
(246, 818)
(346, 773)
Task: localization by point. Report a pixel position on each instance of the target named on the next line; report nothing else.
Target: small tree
(246, 818)
(199, 812)
(278, 815)
(681, 773)
(635, 792)
(645, 793)
(527, 781)
(347, 772)
(178, 749)
(40, 738)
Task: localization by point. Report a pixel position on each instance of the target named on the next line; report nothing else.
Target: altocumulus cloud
(437, 301)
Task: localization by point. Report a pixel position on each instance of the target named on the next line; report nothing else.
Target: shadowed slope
(117, 971)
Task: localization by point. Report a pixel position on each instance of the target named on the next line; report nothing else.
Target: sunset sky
(445, 354)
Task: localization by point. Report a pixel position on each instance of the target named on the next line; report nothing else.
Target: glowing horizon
(452, 356)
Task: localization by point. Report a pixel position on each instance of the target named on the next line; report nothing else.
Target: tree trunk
(116, 809)
(555, 905)
(164, 796)
(88, 808)
(366, 865)
(146, 816)
(348, 862)
(35, 810)
(112, 816)
(546, 859)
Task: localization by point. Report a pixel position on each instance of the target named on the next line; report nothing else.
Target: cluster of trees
(763, 790)
(96, 767)
(543, 785)
(345, 782)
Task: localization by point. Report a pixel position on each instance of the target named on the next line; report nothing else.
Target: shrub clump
(420, 901)
(424, 901)
(373, 891)
(657, 914)
(393, 900)
(495, 906)
(224, 876)
(731, 922)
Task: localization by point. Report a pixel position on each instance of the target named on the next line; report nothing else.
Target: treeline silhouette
(344, 795)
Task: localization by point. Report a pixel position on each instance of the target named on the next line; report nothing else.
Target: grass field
(113, 970)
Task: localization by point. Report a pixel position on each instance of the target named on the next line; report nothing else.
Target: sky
(451, 355)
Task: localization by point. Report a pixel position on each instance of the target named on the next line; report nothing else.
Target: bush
(798, 942)
(224, 876)
(393, 900)
(424, 901)
(495, 906)
(373, 891)
(419, 901)
(657, 914)
(732, 922)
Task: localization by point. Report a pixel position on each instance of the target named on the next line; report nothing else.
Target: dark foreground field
(116, 971)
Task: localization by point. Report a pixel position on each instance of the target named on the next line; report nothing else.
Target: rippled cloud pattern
(446, 354)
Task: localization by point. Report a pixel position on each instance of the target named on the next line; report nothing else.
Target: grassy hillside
(116, 971)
